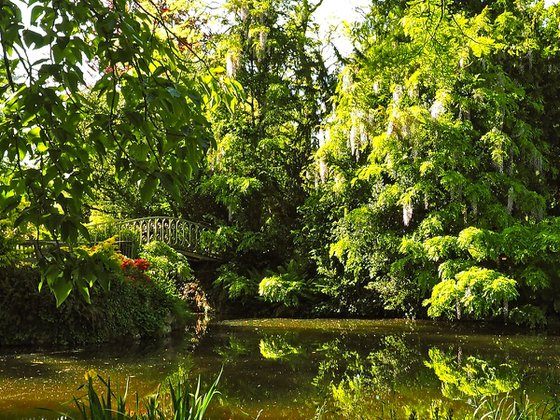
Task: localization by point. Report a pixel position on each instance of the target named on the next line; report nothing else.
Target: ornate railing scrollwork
(181, 234)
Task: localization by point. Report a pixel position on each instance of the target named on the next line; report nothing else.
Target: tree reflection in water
(306, 373)
(471, 376)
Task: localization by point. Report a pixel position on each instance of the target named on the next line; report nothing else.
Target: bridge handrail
(181, 234)
(141, 219)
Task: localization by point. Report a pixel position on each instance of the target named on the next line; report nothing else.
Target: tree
(84, 81)
(443, 126)
(255, 175)
(192, 23)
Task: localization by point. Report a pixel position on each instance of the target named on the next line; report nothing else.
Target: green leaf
(171, 185)
(34, 38)
(174, 92)
(36, 12)
(8, 203)
(84, 291)
(61, 289)
(69, 232)
(148, 189)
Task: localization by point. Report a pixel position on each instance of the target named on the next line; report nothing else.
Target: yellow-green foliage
(479, 292)
(471, 377)
(445, 147)
(277, 347)
(169, 269)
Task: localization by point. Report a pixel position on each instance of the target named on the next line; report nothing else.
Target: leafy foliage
(423, 182)
(437, 176)
(286, 287)
(97, 90)
(127, 304)
(62, 269)
(478, 291)
(236, 285)
(138, 75)
(169, 269)
(254, 181)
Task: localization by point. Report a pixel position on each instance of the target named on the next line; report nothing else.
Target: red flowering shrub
(126, 264)
(141, 264)
(134, 270)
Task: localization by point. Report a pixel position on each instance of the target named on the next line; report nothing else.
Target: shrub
(125, 303)
(280, 289)
(237, 286)
(135, 270)
(287, 286)
(103, 228)
(169, 272)
(528, 315)
(168, 269)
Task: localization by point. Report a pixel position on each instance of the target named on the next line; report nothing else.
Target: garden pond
(299, 369)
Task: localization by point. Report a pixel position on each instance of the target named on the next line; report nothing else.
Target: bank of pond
(304, 369)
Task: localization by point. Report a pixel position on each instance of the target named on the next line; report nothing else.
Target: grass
(511, 408)
(177, 402)
(504, 407)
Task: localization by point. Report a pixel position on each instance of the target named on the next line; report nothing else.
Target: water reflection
(277, 347)
(49, 379)
(469, 376)
(233, 351)
(291, 369)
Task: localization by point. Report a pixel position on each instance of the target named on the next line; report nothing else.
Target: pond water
(300, 369)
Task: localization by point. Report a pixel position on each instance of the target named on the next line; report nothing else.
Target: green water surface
(300, 369)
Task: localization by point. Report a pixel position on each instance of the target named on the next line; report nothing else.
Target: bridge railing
(180, 234)
(183, 235)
